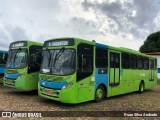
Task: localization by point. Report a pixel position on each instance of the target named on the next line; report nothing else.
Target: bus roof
(121, 49)
(29, 42)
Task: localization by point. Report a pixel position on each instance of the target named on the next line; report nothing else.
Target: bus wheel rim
(142, 88)
(99, 93)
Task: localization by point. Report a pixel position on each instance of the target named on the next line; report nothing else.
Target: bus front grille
(50, 95)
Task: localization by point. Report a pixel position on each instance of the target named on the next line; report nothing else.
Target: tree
(152, 43)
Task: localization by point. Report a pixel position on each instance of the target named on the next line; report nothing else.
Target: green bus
(23, 65)
(75, 70)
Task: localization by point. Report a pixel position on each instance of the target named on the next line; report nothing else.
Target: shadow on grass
(22, 93)
(64, 105)
(121, 96)
(48, 102)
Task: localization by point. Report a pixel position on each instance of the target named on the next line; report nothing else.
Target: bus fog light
(64, 87)
(67, 85)
(41, 89)
(57, 93)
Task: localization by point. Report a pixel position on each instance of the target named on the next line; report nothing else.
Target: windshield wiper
(15, 56)
(58, 55)
(10, 60)
(49, 59)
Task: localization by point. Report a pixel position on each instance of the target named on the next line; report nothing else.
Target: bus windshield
(58, 61)
(17, 58)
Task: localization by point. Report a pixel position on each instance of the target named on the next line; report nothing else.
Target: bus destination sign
(18, 44)
(60, 42)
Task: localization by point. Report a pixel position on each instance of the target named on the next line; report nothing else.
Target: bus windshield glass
(17, 58)
(58, 61)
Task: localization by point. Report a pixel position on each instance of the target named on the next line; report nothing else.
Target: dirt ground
(11, 100)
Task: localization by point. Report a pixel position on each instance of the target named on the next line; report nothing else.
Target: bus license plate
(10, 81)
(49, 91)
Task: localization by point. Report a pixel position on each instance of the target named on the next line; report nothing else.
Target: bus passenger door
(34, 66)
(151, 70)
(85, 74)
(114, 72)
(101, 67)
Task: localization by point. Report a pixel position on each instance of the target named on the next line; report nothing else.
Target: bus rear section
(3, 59)
(130, 71)
(75, 70)
(23, 64)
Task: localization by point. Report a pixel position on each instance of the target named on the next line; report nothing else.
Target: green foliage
(152, 43)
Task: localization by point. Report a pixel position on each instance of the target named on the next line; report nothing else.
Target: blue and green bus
(74, 70)
(23, 65)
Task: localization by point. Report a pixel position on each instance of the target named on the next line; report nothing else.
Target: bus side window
(152, 65)
(140, 62)
(146, 63)
(101, 57)
(34, 67)
(156, 64)
(133, 61)
(38, 58)
(125, 61)
(85, 61)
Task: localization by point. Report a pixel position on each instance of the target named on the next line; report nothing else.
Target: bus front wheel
(141, 87)
(100, 93)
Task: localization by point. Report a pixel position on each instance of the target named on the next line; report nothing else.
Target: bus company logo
(142, 74)
(6, 114)
(9, 81)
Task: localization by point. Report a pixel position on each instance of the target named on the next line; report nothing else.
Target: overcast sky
(120, 23)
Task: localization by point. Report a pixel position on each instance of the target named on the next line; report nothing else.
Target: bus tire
(141, 87)
(99, 94)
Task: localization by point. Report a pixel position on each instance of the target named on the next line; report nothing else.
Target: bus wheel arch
(141, 86)
(100, 93)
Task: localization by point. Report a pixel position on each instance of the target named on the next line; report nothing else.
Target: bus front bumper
(64, 96)
(19, 84)
(9, 83)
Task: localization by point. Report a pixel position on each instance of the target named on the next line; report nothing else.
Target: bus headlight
(67, 85)
(21, 76)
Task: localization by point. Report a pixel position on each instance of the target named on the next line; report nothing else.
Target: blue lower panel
(101, 78)
(54, 85)
(12, 76)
